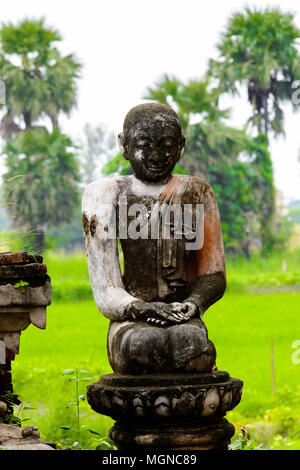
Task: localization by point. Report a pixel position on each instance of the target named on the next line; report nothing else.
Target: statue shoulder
(197, 184)
(104, 191)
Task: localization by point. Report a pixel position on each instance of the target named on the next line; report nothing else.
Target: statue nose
(154, 157)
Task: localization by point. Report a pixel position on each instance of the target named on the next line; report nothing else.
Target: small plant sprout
(19, 411)
(243, 441)
(21, 285)
(75, 376)
(102, 443)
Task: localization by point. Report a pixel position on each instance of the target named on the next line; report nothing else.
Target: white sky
(126, 45)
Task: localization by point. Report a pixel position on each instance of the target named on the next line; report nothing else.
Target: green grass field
(70, 280)
(241, 326)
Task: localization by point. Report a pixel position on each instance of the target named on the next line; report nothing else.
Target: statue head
(152, 141)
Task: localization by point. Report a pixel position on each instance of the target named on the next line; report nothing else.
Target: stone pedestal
(168, 412)
(25, 292)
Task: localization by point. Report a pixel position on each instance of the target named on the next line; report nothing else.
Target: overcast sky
(126, 45)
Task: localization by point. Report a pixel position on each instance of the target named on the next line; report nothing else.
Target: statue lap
(140, 348)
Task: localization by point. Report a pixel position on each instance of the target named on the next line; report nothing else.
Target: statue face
(153, 148)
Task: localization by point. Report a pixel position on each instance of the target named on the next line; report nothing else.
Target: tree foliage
(39, 81)
(40, 185)
(196, 98)
(258, 49)
(41, 178)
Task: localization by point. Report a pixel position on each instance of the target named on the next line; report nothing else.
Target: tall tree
(40, 84)
(42, 186)
(196, 98)
(258, 49)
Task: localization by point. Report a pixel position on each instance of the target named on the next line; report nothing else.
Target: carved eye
(167, 143)
(143, 144)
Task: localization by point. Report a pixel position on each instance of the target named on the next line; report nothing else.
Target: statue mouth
(155, 169)
(158, 167)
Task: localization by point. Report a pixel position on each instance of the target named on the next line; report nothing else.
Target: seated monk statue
(155, 306)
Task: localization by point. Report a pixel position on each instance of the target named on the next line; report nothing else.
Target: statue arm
(209, 261)
(99, 222)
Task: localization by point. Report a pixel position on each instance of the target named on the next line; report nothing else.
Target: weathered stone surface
(165, 398)
(15, 438)
(210, 435)
(16, 322)
(23, 271)
(37, 317)
(21, 257)
(138, 348)
(30, 430)
(34, 296)
(168, 412)
(33, 446)
(3, 408)
(21, 303)
(11, 340)
(14, 319)
(156, 306)
(17, 318)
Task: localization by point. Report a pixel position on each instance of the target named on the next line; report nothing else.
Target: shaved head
(152, 141)
(149, 112)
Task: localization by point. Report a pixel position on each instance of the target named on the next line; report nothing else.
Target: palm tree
(41, 189)
(194, 98)
(259, 50)
(41, 182)
(39, 81)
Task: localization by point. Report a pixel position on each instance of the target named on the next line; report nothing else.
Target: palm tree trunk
(27, 119)
(54, 121)
(266, 113)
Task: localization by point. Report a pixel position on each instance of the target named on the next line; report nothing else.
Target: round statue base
(170, 412)
(214, 435)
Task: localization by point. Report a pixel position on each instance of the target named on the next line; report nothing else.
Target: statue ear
(182, 144)
(121, 142)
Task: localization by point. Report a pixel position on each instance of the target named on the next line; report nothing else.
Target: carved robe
(154, 270)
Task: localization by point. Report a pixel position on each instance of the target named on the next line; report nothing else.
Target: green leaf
(94, 432)
(74, 403)
(21, 285)
(68, 372)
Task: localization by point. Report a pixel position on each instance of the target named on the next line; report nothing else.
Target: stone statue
(156, 307)
(173, 260)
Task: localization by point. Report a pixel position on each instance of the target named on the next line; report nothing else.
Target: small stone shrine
(25, 292)
(166, 392)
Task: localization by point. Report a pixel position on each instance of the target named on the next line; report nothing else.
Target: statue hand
(186, 308)
(158, 313)
(162, 314)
